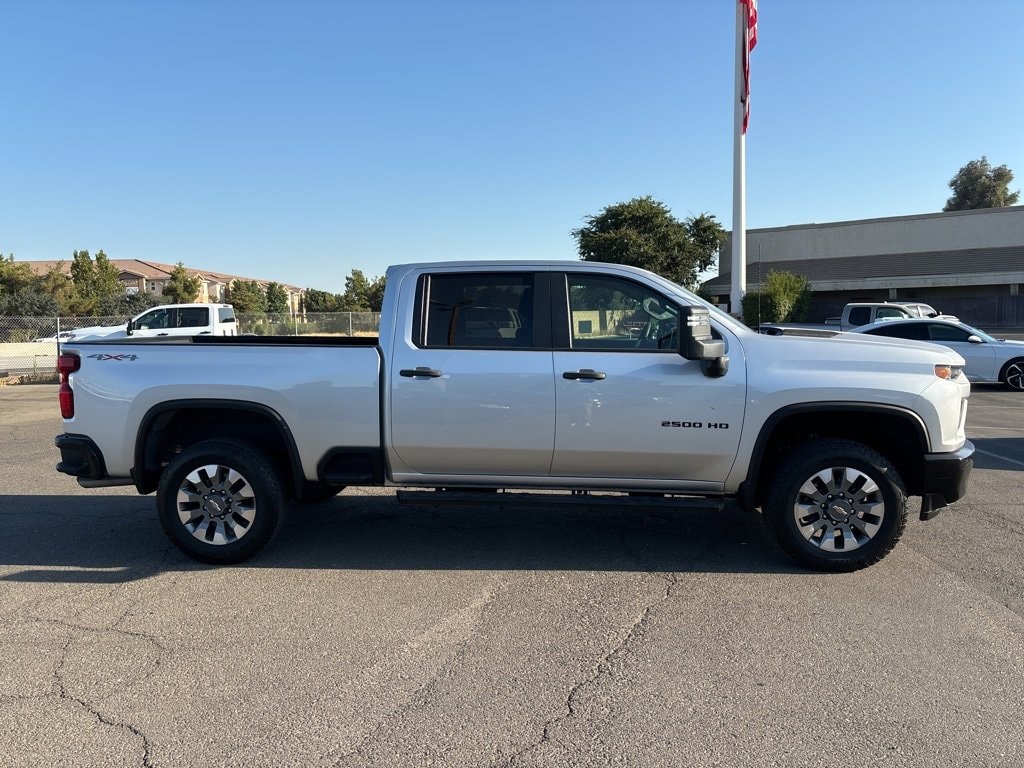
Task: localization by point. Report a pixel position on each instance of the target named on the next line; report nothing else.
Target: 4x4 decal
(103, 356)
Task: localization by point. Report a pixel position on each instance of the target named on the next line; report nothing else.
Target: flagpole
(739, 171)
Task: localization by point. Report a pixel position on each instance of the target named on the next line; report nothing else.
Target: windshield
(689, 297)
(984, 336)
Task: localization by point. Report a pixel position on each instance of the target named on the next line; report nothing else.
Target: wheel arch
(169, 427)
(897, 433)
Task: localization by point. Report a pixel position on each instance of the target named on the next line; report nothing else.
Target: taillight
(66, 365)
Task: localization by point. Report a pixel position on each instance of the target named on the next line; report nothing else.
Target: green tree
(30, 301)
(182, 288)
(106, 277)
(94, 283)
(58, 283)
(362, 294)
(320, 301)
(15, 275)
(979, 185)
(784, 297)
(277, 298)
(126, 304)
(644, 233)
(22, 292)
(247, 296)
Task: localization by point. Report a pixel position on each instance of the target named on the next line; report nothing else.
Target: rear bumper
(79, 457)
(945, 479)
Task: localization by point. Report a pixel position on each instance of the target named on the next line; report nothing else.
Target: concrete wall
(28, 357)
(987, 228)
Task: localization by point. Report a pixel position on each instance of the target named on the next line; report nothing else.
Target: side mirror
(697, 343)
(975, 339)
(131, 328)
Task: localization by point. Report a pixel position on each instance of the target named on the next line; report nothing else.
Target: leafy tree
(362, 294)
(182, 288)
(126, 304)
(59, 284)
(644, 233)
(792, 293)
(320, 301)
(247, 296)
(22, 292)
(979, 185)
(15, 276)
(106, 277)
(760, 307)
(784, 297)
(93, 284)
(277, 298)
(30, 301)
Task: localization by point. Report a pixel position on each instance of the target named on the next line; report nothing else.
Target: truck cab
(184, 320)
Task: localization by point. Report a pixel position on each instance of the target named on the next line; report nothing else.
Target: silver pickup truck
(606, 383)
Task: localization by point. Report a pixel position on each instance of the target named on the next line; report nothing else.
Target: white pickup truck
(165, 320)
(856, 314)
(520, 380)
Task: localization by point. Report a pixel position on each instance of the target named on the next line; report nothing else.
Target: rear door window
(478, 310)
(193, 317)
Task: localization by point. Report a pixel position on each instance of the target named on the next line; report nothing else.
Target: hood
(1012, 343)
(99, 332)
(859, 348)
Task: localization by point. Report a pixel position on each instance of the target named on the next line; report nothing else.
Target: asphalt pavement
(373, 634)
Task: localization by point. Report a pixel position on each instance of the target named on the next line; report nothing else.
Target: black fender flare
(747, 491)
(154, 415)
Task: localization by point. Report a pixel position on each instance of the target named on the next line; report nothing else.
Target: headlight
(949, 372)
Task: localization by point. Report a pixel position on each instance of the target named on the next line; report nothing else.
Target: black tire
(220, 501)
(1012, 375)
(836, 505)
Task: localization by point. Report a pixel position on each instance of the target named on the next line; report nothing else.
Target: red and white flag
(750, 39)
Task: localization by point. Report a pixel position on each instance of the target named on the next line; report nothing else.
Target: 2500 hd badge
(696, 424)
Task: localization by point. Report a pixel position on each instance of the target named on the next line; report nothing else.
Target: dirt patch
(50, 377)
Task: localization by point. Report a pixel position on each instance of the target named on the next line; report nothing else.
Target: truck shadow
(117, 539)
(1002, 453)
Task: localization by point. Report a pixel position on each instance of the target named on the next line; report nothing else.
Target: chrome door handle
(586, 374)
(411, 373)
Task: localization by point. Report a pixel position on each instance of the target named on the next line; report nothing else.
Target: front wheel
(836, 505)
(220, 501)
(1013, 375)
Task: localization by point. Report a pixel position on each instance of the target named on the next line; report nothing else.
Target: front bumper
(945, 479)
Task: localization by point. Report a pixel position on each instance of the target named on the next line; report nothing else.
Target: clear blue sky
(295, 141)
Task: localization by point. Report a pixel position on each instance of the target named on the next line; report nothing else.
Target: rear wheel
(220, 501)
(836, 505)
(1012, 375)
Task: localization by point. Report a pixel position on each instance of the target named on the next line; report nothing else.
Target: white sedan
(988, 358)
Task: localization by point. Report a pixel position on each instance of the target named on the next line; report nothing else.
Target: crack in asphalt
(62, 693)
(602, 669)
(100, 630)
(59, 685)
(421, 696)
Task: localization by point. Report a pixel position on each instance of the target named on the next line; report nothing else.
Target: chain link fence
(28, 345)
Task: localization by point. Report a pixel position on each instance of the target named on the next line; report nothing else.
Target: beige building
(150, 277)
(964, 263)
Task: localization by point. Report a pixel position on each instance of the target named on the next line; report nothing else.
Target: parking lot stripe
(1001, 458)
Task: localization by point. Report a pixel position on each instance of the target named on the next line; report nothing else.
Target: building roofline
(888, 219)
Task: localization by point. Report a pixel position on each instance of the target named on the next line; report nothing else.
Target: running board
(494, 497)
